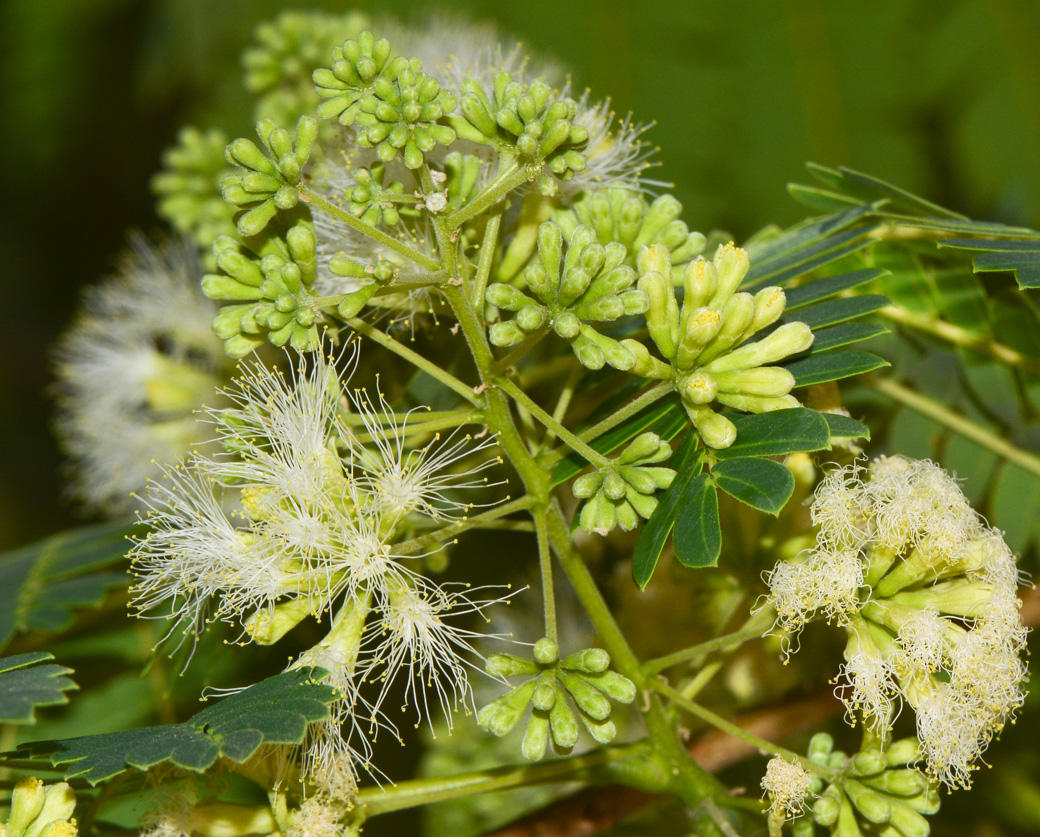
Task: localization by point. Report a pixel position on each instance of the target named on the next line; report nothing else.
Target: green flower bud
(501, 715)
(508, 665)
(767, 381)
(589, 661)
(27, 800)
(901, 782)
(587, 484)
(715, 430)
(700, 328)
(646, 365)
(757, 403)
(871, 805)
(646, 447)
(602, 731)
(903, 751)
(867, 763)
(731, 264)
(615, 686)
(58, 805)
(769, 305)
(505, 334)
(697, 388)
(662, 317)
(803, 828)
(789, 339)
(568, 326)
(736, 317)
(588, 699)
(827, 808)
(545, 691)
(546, 651)
(563, 726)
(908, 822)
(531, 317)
(613, 485)
(507, 297)
(536, 737)
(821, 745)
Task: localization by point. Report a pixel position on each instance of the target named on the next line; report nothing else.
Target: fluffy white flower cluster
(787, 785)
(927, 593)
(300, 518)
(139, 361)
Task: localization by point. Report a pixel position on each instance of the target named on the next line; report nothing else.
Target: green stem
(563, 403)
(418, 792)
(416, 359)
(958, 423)
(522, 348)
(568, 438)
(487, 259)
(511, 177)
(478, 521)
(314, 199)
(958, 336)
(431, 426)
(630, 409)
(545, 563)
(752, 629)
(740, 733)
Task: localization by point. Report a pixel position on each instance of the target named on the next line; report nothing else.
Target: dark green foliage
(274, 711)
(24, 686)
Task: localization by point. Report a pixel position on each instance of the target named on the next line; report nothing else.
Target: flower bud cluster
(585, 677)
(188, 187)
(927, 594)
(272, 290)
(373, 198)
(624, 215)
(567, 288)
(878, 790)
(704, 343)
(268, 182)
(624, 493)
(39, 811)
(285, 52)
(529, 120)
(393, 105)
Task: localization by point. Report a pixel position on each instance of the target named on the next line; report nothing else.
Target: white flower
(132, 371)
(788, 785)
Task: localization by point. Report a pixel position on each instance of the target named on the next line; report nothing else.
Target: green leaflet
(840, 310)
(42, 583)
(697, 535)
(778, 433)
(763, 484)
(844, 334)
(833, 366)
(274, 711)
(820, 289)
(843, 427)
(24, 686)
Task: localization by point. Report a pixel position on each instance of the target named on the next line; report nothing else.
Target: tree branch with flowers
(449, 305)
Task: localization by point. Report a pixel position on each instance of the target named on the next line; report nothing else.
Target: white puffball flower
(788, 785)
(136, 365)
(870, 688)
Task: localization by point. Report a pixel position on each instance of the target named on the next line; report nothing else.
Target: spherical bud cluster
(787, 785)
(373, 199)
(529, 120)
(188, 187)
(285, 52)
(269, 180)
(927, 593)
(270, 291)
(567, 288)
(704, 344)
(39, 811)
(585, 677)
(878, 790)
(623, 494)
(624, 215)
(394, 106)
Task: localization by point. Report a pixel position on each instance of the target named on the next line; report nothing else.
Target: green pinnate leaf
(778, 433)
(697, 535)
(274, 711)
(25, 685)
(760, 483)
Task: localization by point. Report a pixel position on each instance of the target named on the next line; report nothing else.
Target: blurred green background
(940, 97)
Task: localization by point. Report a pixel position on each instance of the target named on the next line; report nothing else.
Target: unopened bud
(789, 339)
(536, 737)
